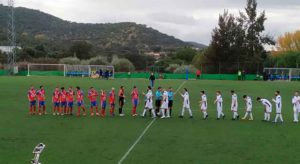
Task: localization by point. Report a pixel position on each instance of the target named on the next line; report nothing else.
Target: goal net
(46, 69)
(287, 74)
(94, 71)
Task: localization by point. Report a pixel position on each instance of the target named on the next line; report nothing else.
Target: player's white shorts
(149, 105)
(234, 108)
(268, 109)
(185, 105)
(249, 109)
(278, 110)
(164, 105)
(220, 109)
(203, 107)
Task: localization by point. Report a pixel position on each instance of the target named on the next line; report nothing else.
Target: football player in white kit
(296, 106)
(234, 105)
(268, 108)
(278, 103)
(164, 108)
(149, 103)
(248, 103)
(203, 105)
(219, 102)
(186, 104)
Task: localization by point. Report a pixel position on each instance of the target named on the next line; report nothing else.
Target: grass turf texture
(97, 140)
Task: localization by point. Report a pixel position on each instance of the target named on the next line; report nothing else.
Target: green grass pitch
(97, 140)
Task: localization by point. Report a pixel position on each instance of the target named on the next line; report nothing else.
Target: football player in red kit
(135, 100)
(93, 94)
(103, 103)
(112, 102)
(70, 101)
(41, 98)
(56, 101)
(31, 95)
(80, 103)
(63, 101)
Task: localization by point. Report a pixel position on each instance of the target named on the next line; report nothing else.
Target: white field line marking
(142, 134)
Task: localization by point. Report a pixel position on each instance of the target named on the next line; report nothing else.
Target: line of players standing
(63, 103)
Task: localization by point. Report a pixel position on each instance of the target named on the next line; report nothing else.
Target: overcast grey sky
(189, 20)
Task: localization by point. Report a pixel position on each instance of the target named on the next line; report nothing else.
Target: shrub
(123, 65)
(182, 69)
(69, 60)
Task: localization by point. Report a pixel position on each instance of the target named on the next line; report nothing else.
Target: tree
(238, 41)
(290, 41)
(81, 49)
(186, 54)
(254, 26)
(123, 65)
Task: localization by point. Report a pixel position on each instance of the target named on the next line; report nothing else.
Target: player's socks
(34, 110)
(133, 111)
(281, 119)
(92, 111)
(144, 112)
(251, 117)
(162, 113)
(119, 110)
(97, 112)
(153, 113)
(206, 116)
(168, 113)
(103, 112)
(190, 112)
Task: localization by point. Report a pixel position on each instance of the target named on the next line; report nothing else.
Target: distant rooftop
(7, 49)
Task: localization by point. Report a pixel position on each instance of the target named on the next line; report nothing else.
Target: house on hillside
(155, 55)
(7, 49)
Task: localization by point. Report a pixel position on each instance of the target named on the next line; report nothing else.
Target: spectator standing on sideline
(239, 75)
(198, 74)
(101, 73)
(187, 73)
(243, 75)
(152, 79)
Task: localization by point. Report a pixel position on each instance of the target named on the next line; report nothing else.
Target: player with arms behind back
(296, 106)
(70, 101)
(278, 104)
(234, 105)
(41, 98)
(92, 95)
(103, 103)
(203, 104)
(121, 100)
(80, 102)
(63, 101)
(219, 102)
(56, 101)
(135, 100)
(248, 103)
(112, 102)
(31, 95)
